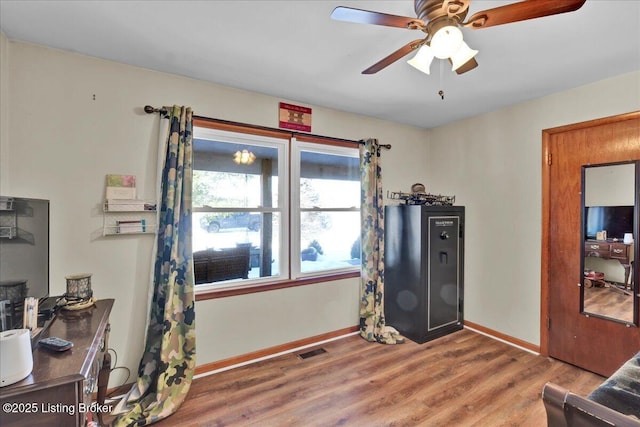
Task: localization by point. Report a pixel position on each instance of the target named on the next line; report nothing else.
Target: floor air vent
(312, 353)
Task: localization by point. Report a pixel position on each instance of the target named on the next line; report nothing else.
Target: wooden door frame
(547, 161)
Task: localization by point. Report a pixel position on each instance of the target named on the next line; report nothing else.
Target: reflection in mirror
(609, 224)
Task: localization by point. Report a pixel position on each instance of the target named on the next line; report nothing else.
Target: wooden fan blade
(359, 16)
(467, 66)
(521, 11)
(403, 51)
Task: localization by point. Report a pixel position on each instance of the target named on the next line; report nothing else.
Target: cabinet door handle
(618, 251)
(595, 246)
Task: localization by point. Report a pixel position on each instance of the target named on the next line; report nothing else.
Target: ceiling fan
(441, 20)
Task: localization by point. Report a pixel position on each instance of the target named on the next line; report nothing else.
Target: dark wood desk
(59, 389)
(619, 251)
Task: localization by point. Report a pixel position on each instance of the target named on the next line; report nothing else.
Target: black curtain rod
(267, 128)
(387, 146)
(377, 147)
(150, 110)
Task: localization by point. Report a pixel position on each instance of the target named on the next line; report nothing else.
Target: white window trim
(281, 144)
(297, 148)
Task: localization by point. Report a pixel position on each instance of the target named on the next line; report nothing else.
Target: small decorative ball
(417, 188)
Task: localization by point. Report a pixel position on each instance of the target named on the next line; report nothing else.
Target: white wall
(4, 109)
(74, 119)
(493, 164)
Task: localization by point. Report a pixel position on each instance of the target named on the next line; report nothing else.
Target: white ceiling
(293, 50)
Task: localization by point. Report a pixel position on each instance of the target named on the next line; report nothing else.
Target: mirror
(609, 235)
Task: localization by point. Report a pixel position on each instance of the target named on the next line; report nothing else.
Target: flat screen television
(24, 255)
(616, 220)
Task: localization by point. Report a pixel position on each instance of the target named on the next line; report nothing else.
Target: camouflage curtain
(167, 365)
(372, 324)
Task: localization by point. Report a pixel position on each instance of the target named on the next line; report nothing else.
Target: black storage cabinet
(423, 258)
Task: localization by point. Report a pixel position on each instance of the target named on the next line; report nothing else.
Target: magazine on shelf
(115, 205)
(134, 226)
(121, 186)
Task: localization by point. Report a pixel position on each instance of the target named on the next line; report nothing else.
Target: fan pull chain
(441, 92)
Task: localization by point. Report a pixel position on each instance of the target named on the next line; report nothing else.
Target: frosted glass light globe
(446, 41)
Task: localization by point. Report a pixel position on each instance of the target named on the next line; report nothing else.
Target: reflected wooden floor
(463, 379)
(610, 302)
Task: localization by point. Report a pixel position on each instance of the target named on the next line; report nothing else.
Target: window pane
(329, 180)
(329, 197)
(219, 181)
(242, 207)
(235, 245)
(237, 230)
(329, 240)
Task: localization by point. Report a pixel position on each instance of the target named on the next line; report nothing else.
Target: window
(259, 198)
(327, 206)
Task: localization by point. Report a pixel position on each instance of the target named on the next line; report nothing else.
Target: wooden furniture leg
(103, 382)
(103, 378)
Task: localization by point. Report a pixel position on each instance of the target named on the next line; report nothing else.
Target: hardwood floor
(463, 379)
(609, 301)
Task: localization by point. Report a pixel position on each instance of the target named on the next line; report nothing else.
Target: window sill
(252, 289)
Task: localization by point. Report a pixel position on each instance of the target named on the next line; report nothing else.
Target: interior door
(596, 344)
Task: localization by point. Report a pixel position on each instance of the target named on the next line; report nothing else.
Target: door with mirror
(591, 219)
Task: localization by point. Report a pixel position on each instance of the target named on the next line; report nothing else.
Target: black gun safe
(423, 258)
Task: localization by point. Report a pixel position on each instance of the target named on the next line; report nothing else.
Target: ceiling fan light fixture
(441, 21)
(462, 56)
(422, 59)
(446, 41)
(244, 157)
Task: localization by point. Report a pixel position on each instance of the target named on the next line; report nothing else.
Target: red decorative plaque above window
(295, 117)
